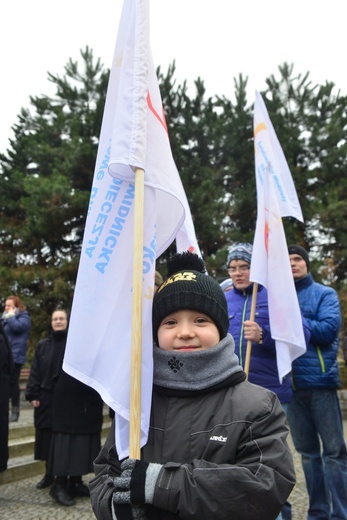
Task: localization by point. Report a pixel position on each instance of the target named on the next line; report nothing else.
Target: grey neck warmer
(196, 370)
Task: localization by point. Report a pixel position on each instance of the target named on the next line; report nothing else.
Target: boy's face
(187, 330)
(239, 273)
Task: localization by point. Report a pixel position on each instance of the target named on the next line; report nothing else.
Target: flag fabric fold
(270, 267)
(133, 135)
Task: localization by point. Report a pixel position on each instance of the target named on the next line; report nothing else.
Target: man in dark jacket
(314, 413)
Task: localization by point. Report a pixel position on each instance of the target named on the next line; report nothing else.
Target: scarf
(198, 370)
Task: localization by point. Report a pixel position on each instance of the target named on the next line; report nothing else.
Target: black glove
(136, 483)
(128, 512)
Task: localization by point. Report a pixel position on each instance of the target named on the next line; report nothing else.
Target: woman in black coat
(47, 362)
(71, 416)
(6, 371)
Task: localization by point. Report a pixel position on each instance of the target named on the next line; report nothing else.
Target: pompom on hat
(240, 251)
(189, 287)
(294, 249)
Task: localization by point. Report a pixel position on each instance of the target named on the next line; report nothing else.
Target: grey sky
(213, 39)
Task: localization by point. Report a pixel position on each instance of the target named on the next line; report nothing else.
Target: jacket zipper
(321, 360)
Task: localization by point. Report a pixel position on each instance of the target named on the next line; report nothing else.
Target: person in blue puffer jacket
(16, 322)
(314, 413)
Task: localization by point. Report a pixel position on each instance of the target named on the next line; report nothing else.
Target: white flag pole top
(270, 264)
(133, 135)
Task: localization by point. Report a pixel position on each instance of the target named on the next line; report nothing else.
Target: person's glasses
(240, 268)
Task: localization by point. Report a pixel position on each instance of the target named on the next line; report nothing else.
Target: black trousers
(14, 386)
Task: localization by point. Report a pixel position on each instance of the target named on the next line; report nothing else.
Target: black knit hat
(294, 249)
(189, 287)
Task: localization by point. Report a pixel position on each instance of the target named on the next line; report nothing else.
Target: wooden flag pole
(136, 324)
(249, 342)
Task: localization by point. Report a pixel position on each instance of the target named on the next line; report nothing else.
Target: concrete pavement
(22, 501)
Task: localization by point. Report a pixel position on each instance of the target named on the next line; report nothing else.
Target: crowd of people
(217, 445)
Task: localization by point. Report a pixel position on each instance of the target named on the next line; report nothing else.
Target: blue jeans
(315, 419)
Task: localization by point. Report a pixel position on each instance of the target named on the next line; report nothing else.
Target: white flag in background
(133, 135)
(270, 267)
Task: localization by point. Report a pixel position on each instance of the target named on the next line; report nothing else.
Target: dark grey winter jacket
(224, 453)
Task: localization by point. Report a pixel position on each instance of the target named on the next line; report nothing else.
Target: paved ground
(22, 501)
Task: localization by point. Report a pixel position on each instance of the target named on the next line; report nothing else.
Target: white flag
(270, 158)
(186, 238)
(133, 135)
(270, 265)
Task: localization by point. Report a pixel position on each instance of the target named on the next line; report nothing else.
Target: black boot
(76, 488)
(15, 414)
(46, 481)
(60, 495)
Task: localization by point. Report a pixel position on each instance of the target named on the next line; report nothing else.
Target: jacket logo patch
(219, 438)
(175, 364)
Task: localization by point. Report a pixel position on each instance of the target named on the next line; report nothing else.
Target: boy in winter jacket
(217, 443)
